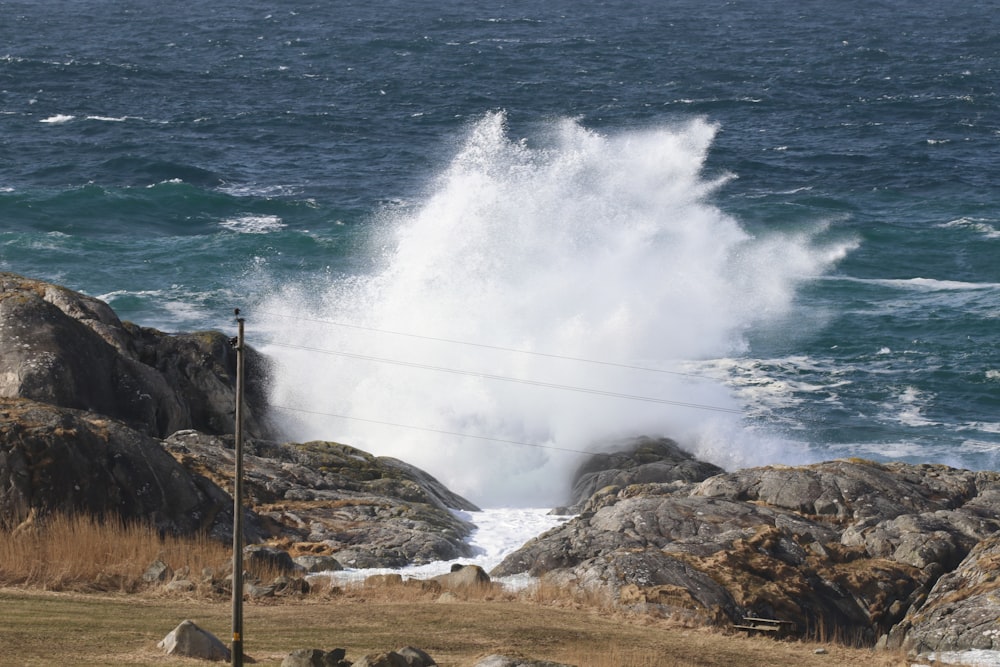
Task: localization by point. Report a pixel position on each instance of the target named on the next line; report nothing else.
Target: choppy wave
(930, 284)
(984, 226)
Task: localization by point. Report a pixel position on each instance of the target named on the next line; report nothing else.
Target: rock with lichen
(844, 547)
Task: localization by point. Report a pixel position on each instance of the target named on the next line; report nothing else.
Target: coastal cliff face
(120, 421)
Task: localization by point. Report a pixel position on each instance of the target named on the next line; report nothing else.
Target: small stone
(158, 571)
(181, 586)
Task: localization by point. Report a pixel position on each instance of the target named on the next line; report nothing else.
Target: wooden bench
(752, 624)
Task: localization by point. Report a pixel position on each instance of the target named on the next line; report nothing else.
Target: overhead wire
(488, 376)
(504, 378)
(432, 430)
(487, 346)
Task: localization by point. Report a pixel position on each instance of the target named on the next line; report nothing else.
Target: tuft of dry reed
(84, 553)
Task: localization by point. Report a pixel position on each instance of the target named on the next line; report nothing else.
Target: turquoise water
(784, 215)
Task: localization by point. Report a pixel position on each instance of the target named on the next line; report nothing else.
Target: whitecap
(981, 226)
(922, 284)
(256, 190)
(909, 408)
(58, 119)
(982, 427)
(253, 224)
(169, 181)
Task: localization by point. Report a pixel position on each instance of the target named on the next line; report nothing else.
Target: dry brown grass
(85, 554)
(74, 587)
(43, 628)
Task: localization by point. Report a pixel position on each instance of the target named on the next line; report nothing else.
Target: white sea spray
(577, 244)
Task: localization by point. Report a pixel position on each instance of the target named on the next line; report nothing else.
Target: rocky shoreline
(112, 419)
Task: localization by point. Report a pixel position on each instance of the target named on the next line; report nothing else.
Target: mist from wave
(572, 248)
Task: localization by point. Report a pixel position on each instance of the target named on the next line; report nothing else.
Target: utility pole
(237, 648)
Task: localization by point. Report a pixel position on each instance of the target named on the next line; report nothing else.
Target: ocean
(489, 238)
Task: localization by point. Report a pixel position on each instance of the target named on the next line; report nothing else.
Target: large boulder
(190, 641)
(61, 460)
(61, 347)
(463, 577)
(848, 545)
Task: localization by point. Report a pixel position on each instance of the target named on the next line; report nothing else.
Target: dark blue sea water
(484, 237)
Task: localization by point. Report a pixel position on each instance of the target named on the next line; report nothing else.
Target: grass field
(46, 628)
(72, 592)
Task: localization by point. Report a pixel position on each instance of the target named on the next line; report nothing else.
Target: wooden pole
(237, 648)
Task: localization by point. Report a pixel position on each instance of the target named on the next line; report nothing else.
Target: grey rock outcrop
(190, 641)
(960, 613)
(328, 499)
(851, 547)
(71, 350)
(849, 544)
(311, 499)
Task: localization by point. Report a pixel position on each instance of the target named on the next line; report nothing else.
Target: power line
(504, 378)
(431, 430)
(487, 346)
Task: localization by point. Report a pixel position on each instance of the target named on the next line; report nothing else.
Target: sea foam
(477, 346)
